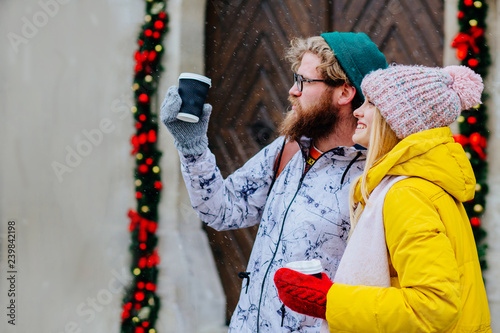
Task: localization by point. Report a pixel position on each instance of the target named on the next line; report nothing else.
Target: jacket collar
(338, 153)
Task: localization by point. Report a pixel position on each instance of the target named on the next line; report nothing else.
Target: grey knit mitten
(189, 138)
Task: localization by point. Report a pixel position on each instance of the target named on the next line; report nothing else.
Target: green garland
(140, 303)
(473, 52)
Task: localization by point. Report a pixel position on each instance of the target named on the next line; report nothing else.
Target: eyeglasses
(299, 80)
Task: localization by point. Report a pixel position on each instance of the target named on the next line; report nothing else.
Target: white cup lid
(198, 77)
(306, 266)
(187, 117)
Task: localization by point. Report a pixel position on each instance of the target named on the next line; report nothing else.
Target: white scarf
(365, 258)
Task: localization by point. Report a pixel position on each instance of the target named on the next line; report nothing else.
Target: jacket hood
(432, 155)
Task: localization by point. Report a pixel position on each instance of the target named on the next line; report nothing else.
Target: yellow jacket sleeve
(425, 295)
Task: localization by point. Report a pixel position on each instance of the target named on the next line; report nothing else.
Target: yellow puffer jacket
(436, 282)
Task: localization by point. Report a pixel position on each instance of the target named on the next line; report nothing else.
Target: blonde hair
(382, 140)
(329, 68)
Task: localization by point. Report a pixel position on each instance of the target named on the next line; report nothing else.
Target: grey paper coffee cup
(309, 267)
(193, 89)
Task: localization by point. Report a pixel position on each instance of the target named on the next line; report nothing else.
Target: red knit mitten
(303, 293)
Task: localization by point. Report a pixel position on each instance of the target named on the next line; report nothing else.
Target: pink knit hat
(417, 98)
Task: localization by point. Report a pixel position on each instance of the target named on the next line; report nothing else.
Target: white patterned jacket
(304, 217)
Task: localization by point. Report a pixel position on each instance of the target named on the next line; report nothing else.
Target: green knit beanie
(357, 55)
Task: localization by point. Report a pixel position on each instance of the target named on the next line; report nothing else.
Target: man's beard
(316, 121)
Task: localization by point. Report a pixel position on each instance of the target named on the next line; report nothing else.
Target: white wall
(201, 301)
(70, 74)
(492, 213)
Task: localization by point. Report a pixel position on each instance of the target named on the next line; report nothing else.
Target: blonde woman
(411, 263)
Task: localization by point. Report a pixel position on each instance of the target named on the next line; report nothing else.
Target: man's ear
(345, 94)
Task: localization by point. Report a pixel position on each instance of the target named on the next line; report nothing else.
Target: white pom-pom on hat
(467, 84)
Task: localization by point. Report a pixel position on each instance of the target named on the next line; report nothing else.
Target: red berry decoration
(152, 136)
(139, 296)
(142, 262)
(125, 314)
(152, 55)
(475, 222)
(159, 25)
(472, 120)
(473, 62)
(142, 137)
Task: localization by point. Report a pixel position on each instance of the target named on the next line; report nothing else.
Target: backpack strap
(287, 152)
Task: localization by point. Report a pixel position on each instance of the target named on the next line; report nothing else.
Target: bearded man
(296, 187)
